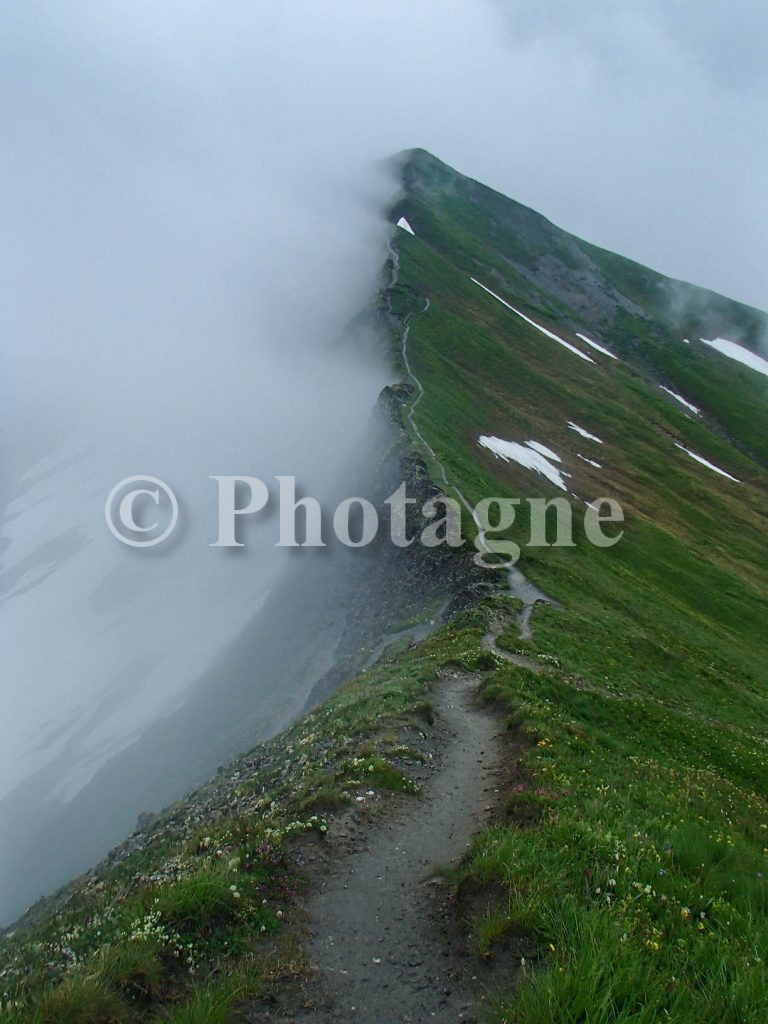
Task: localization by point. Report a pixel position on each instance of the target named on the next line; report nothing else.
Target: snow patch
(548, 333)
(590, 461)
(403, 223)
(704, 462)
(583, 432)
(680, 399)
(546, 452)
(595, 345)
(524, 456)
(686, 342)
(739, 353)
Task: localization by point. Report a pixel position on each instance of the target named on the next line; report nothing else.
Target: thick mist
(192, 200)
(175, 285)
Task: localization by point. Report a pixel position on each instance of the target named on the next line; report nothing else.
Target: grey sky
(642, 126)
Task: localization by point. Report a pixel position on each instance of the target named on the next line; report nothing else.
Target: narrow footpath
(378, 945)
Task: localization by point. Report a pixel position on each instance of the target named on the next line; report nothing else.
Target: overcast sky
(640, 125)
(191, 195)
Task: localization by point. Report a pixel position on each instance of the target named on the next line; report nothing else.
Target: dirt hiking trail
(385, 943)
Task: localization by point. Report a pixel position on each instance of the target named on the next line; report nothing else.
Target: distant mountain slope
(487, 371)
(646, 871)
(642, 315)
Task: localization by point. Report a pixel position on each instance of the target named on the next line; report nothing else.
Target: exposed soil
(386, 934)
(497, 625)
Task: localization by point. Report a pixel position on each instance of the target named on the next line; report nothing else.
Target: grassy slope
(187, 926)
(648, 760)
(476, 228)
(645, 874)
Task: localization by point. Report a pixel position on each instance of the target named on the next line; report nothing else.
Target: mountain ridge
(420, 168)
(629, 859)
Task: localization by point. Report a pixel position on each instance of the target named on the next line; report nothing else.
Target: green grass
(646, 866)
(134, 969)
(81, 999)
(200, 903)
(214, 1003)
(637, 852)
(179, 931)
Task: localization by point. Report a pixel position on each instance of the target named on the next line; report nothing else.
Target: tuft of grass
(378, 772)
(329, 796)
(489, 929)
(425, 710)
(133, 968)
(198, 904)
(209, 1004)
(81, 999)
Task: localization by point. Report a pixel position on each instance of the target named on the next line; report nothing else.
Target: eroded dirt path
(384, 943)
(385, 947)
(489, 641)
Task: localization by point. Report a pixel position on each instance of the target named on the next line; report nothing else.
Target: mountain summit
(642, 315)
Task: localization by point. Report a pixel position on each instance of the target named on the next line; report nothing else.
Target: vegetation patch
(188, 925)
